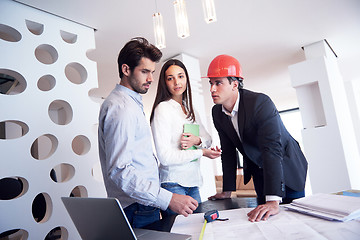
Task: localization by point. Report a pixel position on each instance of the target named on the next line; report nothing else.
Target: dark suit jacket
(265, 144)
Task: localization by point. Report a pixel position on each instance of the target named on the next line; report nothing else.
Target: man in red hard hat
(249, 122)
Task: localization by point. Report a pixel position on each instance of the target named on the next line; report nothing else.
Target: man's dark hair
(240, 81)
(134, 50)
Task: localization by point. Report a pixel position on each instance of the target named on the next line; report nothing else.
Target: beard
(138, 87)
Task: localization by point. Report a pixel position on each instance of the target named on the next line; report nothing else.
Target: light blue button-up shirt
(129, 167)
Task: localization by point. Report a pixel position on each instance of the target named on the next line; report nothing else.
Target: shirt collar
(134, 95)
(235, 108)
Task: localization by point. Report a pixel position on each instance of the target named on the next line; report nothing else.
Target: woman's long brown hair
(163, 93)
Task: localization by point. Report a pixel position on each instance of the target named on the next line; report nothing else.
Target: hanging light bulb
(209, 11)
(181, 18)
(159, 31)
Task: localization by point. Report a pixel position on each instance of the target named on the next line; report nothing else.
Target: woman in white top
(179, 169)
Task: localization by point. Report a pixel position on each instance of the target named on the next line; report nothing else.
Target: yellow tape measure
(203, 230)
(210, 216)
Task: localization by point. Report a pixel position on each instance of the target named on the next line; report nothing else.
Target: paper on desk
(281, 226)
(331, 230)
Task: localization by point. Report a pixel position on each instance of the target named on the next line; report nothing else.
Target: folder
(193, 129)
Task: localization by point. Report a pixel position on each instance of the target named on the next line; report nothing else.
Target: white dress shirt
(177, 165)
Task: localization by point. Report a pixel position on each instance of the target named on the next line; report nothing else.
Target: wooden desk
(166, 223)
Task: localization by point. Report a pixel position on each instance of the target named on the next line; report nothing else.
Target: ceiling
(265, 36)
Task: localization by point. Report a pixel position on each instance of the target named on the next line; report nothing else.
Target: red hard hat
(224, 66)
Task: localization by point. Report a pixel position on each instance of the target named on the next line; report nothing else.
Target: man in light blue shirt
(129, 167)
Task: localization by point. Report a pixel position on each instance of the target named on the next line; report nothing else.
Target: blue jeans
(140, 215)
(177, 188)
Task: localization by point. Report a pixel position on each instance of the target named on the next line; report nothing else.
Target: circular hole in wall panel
(60, 112)
(94, 92)
(46, 54)
(44, 146)
(68, 37)
(42, 207)
(57, 233)
(81, 145)
(91, 54)
(34, 27)
(63, 172)
(53, 175)
(11, 82)
(9, 34)
(11, 129)
(96, 95)
(79, 191)
(13, 187)
(46, 83)
(14, 234)
(76, 73)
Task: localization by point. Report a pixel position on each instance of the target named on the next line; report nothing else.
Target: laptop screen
(98, 218)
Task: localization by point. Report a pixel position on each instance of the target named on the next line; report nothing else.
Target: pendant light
(181, 18)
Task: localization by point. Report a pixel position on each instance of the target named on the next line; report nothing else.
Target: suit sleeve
(268, 129)
(228, 156)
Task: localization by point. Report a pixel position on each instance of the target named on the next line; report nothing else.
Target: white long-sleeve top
(177, 165)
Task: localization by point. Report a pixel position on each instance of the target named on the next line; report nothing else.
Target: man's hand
(222, 195)
(264, 211)
(182, 204)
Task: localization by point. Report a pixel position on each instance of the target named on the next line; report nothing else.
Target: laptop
(104, 218)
